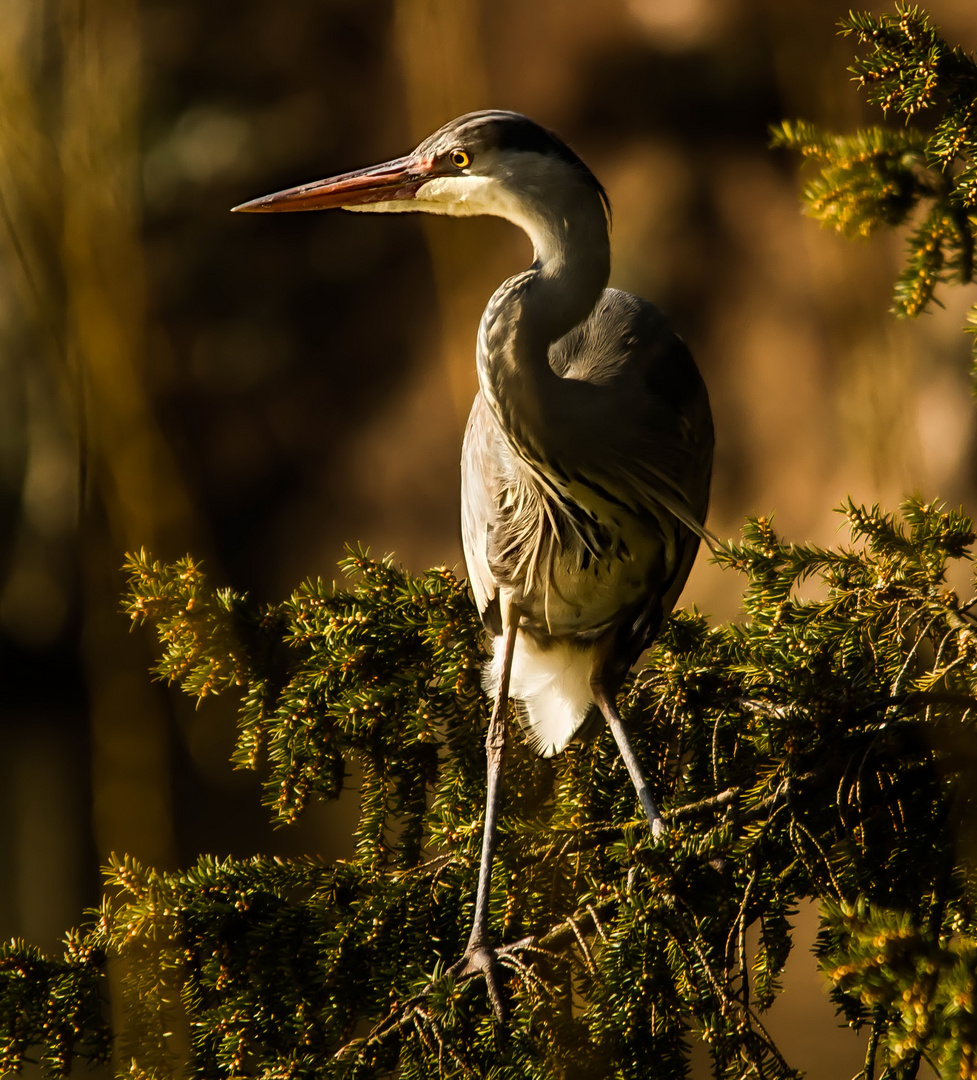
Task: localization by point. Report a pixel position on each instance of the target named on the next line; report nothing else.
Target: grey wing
(480, 495)
(632, 386)
(648, 445)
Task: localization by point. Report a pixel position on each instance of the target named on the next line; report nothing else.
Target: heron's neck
(537, 307)
(573, 262)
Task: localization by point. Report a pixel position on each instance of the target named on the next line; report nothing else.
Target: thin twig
(598, 925)
(584, 947)
(712, 802)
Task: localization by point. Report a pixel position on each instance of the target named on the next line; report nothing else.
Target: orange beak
(397, 179)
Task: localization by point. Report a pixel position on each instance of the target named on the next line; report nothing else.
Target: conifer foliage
(924, 174)
(822, 747)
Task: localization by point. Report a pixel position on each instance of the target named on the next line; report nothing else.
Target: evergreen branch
(878, 177)
(869, 180)
(819, 747)
(909, 64)
(867, 951)
(52, 1004)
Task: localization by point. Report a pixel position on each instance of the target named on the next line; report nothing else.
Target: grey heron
(588, 453)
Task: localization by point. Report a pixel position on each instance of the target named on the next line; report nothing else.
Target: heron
(587, 456)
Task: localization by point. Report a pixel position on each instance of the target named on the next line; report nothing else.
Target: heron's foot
(479, 960)
(485, 961)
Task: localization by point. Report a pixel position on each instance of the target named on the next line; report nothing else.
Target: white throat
(474, 196)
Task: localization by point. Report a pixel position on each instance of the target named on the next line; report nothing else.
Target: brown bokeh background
(259, 390)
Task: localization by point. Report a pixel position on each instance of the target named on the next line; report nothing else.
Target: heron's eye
(461, 159)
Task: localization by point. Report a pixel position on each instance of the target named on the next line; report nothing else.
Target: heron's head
(492, 162)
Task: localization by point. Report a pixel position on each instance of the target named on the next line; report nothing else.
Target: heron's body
(593, 558)
(586, 464)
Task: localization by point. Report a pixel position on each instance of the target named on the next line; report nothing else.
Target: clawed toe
(485, 961)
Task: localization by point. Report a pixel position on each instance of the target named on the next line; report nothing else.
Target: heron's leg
(479, 956)
(495, 756)
(608, 706)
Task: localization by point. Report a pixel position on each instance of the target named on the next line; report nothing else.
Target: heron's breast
(583, 567)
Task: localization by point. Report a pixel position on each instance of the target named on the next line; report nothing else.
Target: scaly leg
(479, 956)
(608, 706)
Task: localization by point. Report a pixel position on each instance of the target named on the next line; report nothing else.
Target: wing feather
(481, 494)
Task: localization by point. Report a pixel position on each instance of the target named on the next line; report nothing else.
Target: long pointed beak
(397, 179)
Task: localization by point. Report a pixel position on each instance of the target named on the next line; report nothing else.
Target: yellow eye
(460, 159)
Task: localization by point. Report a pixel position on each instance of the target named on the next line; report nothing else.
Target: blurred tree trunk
(71, 183)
